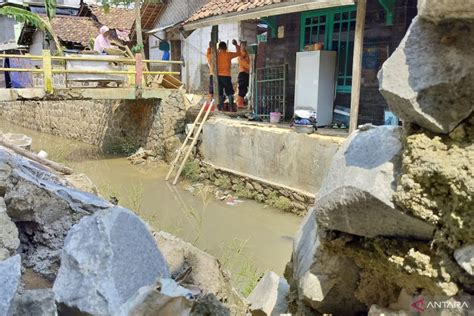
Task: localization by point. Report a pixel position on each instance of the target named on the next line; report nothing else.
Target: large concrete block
(356, 196)
(106, 258)
(322, 280)
(429, 79)
(442, 10)
(10, 273)
(269, 296)
(465, 258)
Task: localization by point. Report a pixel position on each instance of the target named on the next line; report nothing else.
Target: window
(335, 28)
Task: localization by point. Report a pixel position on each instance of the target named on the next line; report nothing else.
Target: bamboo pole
(357, 63)
(32, 156)
(21, 69)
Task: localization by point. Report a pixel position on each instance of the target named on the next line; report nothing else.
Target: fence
(270, 90)
(136, 67)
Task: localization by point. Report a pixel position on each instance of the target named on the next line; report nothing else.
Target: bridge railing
(136, 68)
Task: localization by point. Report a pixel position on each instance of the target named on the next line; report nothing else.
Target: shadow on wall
(128, 126)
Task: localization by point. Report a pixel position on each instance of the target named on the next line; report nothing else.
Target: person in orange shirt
(244, 74)
(224, 60)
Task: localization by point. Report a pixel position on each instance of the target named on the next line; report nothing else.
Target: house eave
(270, 10)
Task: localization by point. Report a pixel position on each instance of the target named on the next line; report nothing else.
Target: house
(191, 47)
(295, 26)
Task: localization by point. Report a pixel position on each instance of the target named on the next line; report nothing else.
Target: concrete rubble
(217, 294)
(431, 71)
(39, 302)
(394, 218)
(106, 258)
(101, 258)
(445, 10)
(10, 272)
(19, 140)
(359, 187)
(9, 241)
(269, 296)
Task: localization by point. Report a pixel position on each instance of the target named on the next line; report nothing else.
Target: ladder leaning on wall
(192, 137)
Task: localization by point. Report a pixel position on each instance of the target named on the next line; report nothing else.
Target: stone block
(106, 258)
(356, 196)
(35, 303)
(9, 241)
(269, 296)
(10, 273)
(5, 171)
(446, 10)
(429, 79)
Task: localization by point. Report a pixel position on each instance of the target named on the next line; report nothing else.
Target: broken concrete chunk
(429, 79)
(5, 171)
(465, 258)
(313, 272)
(10, 273)
(206, 274)
(164, 298)
(269, 296)
(356, 195)
(35, 303)
(9, 241)
(106, 258)
(20, 140)
(446, 10)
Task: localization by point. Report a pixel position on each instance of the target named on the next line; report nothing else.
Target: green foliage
(25, 16)
(191, 170)
(243, 269)
(137, 48)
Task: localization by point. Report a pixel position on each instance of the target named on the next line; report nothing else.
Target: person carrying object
(224, 62)
(244, 74)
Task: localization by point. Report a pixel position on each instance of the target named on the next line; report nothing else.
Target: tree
(25, 16)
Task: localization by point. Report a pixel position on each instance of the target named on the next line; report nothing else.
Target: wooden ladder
(192, 136)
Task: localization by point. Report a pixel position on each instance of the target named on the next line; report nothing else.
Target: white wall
(36, 48)
(196, 72)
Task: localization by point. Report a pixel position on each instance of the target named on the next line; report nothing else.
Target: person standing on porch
(224, 62)
(244, 74)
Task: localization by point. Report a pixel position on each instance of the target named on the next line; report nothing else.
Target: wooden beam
(214, 39)
(265, 11)
(357, 63)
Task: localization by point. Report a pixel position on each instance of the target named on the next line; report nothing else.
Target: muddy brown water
(249, 238)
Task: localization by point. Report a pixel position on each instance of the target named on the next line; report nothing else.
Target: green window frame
(336, 25)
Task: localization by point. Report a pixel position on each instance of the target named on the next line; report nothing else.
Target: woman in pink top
(102, 42)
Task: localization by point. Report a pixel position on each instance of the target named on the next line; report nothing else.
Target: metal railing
(270, 90)
(136, 67)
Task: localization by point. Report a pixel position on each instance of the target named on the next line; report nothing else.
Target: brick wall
(283, 50)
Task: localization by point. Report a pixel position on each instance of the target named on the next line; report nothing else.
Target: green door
(335, 28)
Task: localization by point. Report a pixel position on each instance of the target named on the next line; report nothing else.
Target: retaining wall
(116, 125)
(278, 156)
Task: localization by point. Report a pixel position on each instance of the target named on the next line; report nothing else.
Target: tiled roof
(115, 18)
(219, 7)
(76, 29)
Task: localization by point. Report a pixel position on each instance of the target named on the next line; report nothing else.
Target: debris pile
(67, 251)
(393, 223)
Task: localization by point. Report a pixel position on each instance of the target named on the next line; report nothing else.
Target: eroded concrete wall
(277, 155)
(114, 125)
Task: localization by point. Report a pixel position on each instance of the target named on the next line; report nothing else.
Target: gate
(270, 90)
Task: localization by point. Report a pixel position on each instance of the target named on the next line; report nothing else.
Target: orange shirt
(244, 62)
(224, 59)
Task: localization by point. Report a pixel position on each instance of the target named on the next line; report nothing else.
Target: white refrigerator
(314, 84)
